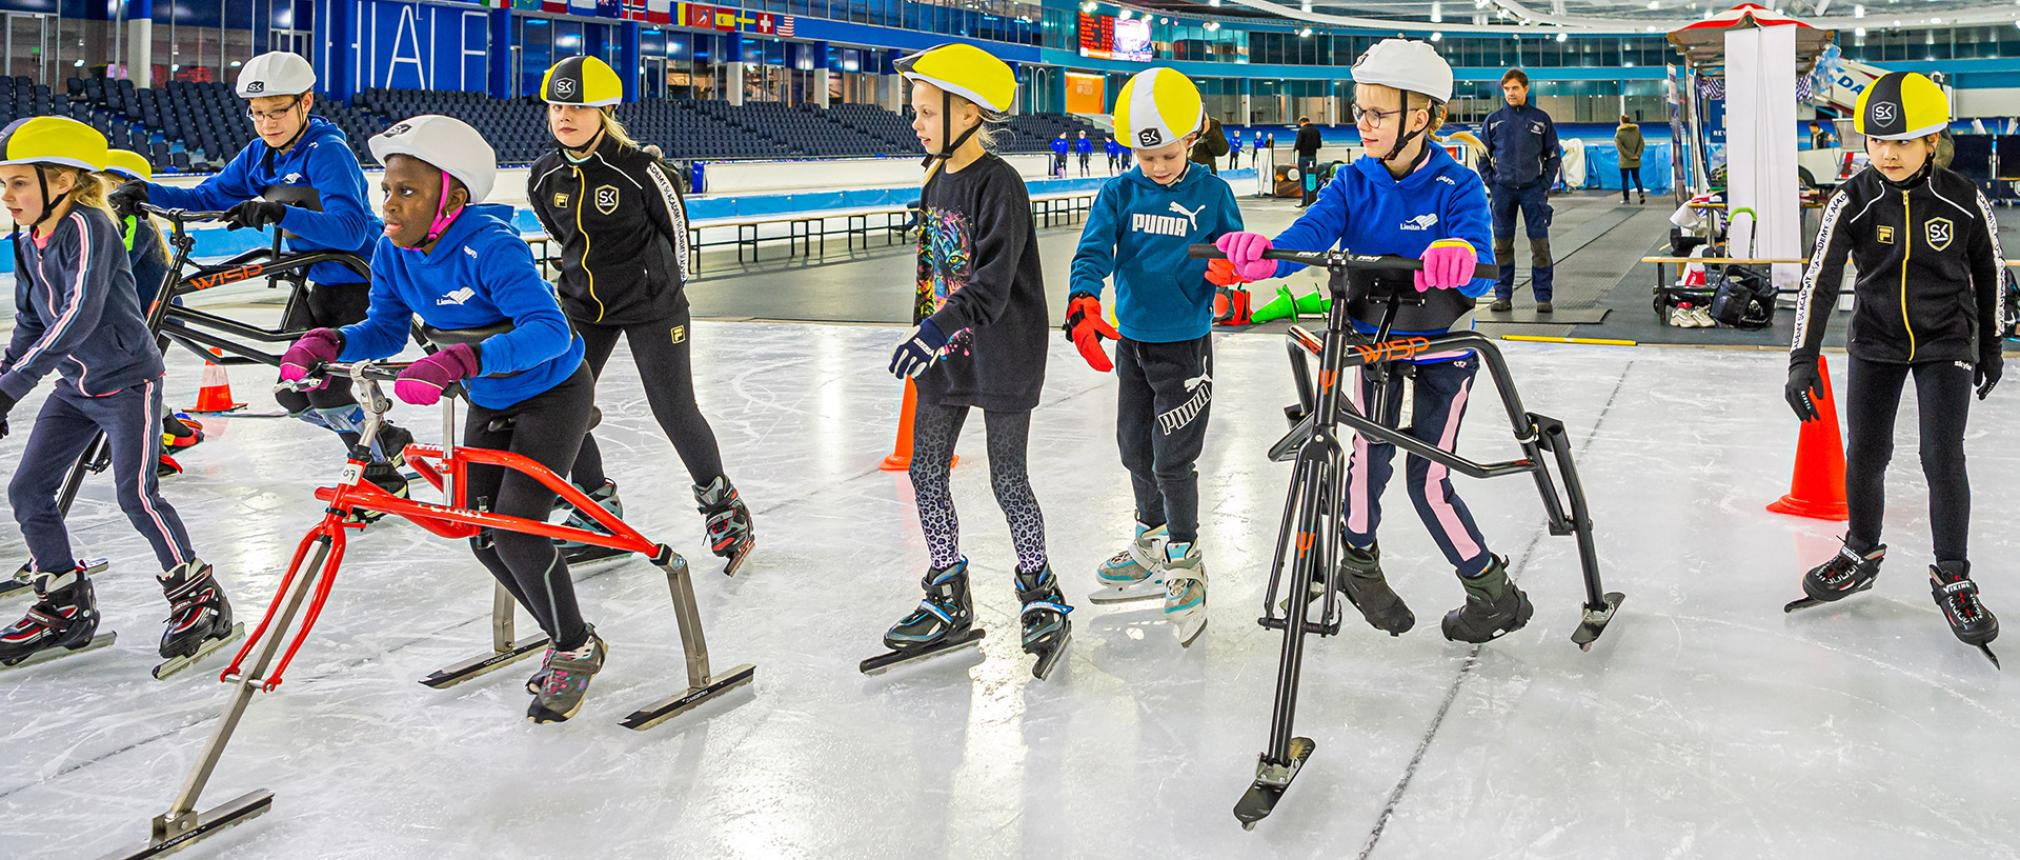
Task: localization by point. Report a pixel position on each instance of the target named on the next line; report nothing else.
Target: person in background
(1114, 152)
(1627, 140)
(1307, 147)
(1211, 145)
(1520, 162)
(1234, 150)
(1060, 146)
(1820, 135)
(1084, 147)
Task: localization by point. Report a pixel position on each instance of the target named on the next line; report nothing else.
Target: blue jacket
(1367, 211)
(145, 252)
(479, 274)
(75, 312)
(1084, 145)
(321, 160)
(1059, 146)
(1111, 147)
(1521, 147)
(1137, 231)
(1234, 144)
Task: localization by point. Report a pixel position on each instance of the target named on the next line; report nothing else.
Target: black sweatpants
(1943, 399)
(131, 419)
(660, 348)
(1165, 392)
(546, 428)
(327, 306)
(935, 429)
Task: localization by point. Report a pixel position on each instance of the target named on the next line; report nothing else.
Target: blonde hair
(86, 188)
(985, 132)
(615, 128)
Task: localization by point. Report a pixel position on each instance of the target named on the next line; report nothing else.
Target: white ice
(1704, 724)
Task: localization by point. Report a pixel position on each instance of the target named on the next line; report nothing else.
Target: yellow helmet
(1157, 108)
(128, 164)
(585, 81)
(1902, 106)
(966, 71)
(52, 140)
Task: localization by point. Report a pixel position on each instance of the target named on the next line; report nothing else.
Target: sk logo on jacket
(1939, 232)
(456, 296)
(606, 199)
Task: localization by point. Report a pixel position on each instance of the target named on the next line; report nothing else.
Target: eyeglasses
(273, 116)
(1372, 118)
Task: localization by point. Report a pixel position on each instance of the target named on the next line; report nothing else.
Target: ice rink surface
(1705, 723)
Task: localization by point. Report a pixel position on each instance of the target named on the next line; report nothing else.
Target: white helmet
(277, 73)
(448, 144)
(1407, 65)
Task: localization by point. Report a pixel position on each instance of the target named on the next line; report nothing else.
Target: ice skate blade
(1987, 651)
(174, 834)
(98, 642)
(1806, 601)
(451, 675)
(736, 560)
(887, 660)
(22, 584)
(1106, 595)
(1188, 632)
(172, 665)
(673, 706)
(1049, 656)
(1595, 620)
(1271, 781)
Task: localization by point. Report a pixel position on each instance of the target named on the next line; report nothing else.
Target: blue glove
(919, 351)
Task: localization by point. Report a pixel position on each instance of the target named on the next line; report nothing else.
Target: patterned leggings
(934, 431)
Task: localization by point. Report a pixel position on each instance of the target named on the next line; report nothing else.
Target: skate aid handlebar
(182, 216)
(1323, 259)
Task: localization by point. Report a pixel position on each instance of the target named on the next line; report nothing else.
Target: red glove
(314, 347)
(422, 382)
(1221, 273)
(1085, 326)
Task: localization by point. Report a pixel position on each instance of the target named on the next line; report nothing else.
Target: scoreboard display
(1105, 37)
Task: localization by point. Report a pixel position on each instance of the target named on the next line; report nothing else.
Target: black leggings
(935, 428)
(660, 349)
(546, 428)
(1943, 398)
(325, 306)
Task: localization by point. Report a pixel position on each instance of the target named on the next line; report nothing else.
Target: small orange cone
(1818, 488)
(901, 453)
(215, 395)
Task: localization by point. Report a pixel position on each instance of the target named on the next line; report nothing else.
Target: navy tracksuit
(1521, 162)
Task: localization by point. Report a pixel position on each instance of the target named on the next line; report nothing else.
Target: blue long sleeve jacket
(321, 160)
(75, 312)
(1137, 231)
(479, 274)
(1059, 146)
(1522, 147)
(1367, 211)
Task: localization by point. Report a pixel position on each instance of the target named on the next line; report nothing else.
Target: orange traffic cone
(901, 453)
(215, 395)
(1818, 488)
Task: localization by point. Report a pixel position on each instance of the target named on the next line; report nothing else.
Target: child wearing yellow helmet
(1928, 306)
(1138, 232)
(980, 342)
(148, 255)
(77, 316)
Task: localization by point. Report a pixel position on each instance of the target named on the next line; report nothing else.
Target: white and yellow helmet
(1157, 108)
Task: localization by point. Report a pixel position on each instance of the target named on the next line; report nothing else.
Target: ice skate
(1845, 574)
(199, 618)
(385, 476)
(62, 622)
(730, 535)
(1184, 573)
(1046, 630)
(944, 621)
(565, 678)
(1132, 574)
(1494, 607)
(1950, 583)
(577, 552)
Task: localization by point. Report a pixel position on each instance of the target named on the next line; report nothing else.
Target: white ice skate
(1185, 593)
(1135, 573)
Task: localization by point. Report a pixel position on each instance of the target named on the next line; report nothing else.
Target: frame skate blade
(1595, 620)
(195, 826)
(1271, 781)
(98, 642)
(885, 661)
(457, 673)
(1049, 660)
(169, 667)
(673, 706)
(1107, 595)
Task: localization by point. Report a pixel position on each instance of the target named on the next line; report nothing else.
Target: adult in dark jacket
(622, 228)
(1211, 146)
(1521, 160)
(1307, 147)
(1627, 141)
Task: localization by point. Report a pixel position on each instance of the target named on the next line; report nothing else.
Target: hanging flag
(659, 11)
(554, 6)
(697, 15)
(786, 27)
(609, 8)
(586, 8)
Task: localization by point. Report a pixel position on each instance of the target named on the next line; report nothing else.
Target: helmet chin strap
(443, 217)
(947, 150)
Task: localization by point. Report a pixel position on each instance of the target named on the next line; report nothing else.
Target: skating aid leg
(505, 648)
(1600, 605)
(702, 685)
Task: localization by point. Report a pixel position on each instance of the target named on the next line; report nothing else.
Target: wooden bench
(1069, 206)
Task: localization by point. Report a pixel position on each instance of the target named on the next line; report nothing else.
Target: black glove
(128, 198)
(255, 214)
(1804, 388)
(7, 402)
(1987, 372)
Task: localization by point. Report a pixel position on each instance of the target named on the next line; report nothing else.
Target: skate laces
(1962, 596)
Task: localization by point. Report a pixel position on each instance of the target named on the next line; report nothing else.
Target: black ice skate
(1361, 581)
(577, 552)
(62, 622)
(199, 618)
(1046, 630)
(729, 527)
(1847, 573)
(1950, 583)
(944, 622)
(1494, 607)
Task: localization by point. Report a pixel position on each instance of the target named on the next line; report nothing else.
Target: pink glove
(1448, 264)
(422, 382)
(1245, 251)
(313, 348)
